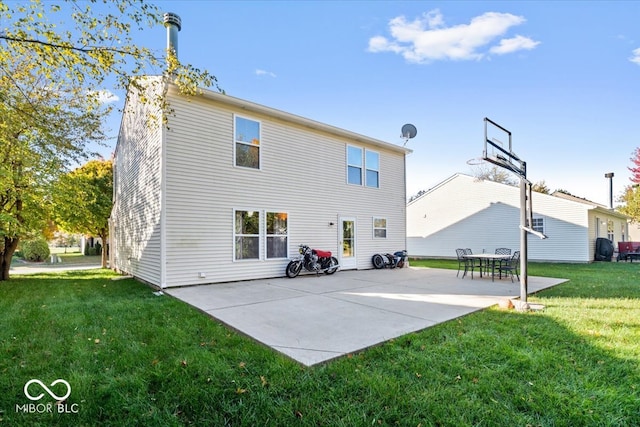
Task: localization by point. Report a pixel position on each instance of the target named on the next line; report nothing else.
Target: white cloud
(105, 96)
(514, 44)
(427, 38)
(265, 73)
(636, 56)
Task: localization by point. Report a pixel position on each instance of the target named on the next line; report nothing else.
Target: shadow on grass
(132, 358)
(498, 368)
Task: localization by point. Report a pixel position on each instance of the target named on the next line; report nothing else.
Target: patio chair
(472, 263)
(502, 251)
(511, 266)
(462, 262)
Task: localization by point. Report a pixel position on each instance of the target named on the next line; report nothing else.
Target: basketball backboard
(498, 148)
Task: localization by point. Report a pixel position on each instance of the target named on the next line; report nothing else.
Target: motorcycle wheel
(378, 261)
(400, 263)
(333, 266)
(293, 269)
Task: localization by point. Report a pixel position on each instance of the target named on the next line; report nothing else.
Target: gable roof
(562, 196)
(249, 106)
(566, 196)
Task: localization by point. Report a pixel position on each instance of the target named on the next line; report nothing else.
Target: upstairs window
(354, 165)
(363, 167)
(372, 163)
(247, 143)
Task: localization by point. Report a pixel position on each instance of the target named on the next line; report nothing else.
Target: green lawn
(136, 359)
(80, 259)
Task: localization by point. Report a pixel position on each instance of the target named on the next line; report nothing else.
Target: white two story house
(228, 189)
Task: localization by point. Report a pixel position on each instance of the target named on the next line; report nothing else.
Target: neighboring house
(634, 231)
(465, 212)
(229, 189)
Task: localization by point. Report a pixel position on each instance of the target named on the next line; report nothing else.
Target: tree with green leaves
(56, 59)
(43, 130)
(98, 46)
(82, 201)
(631, 202)
(541, 187)
(631, 196)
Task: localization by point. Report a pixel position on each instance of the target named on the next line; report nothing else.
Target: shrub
(95, 250)
(35, 250)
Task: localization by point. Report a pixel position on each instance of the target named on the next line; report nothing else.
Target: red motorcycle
(313, 260)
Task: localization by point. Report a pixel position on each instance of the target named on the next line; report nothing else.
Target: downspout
(404, 195)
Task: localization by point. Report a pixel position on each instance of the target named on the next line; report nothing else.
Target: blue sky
(563, 77)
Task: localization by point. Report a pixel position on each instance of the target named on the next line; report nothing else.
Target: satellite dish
(408, 131)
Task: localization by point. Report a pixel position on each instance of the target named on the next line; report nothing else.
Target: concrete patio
(313, 319)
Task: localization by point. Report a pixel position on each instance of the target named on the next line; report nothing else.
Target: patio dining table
(488, 259)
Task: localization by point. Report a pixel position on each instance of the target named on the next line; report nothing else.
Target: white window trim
(366, 168)
(262, 234)
(611, 230)
(386, 227)
(267, 235)
(362, 166)
(235, 165)
(260, 226)
(544, 223)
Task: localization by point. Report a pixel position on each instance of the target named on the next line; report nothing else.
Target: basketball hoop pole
(505, 158)
(524, 253)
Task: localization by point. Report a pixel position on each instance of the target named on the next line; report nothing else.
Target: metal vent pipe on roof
(173, 24)
(610, 176)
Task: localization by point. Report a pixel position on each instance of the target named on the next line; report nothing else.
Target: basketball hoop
(498, 149)
(476, 161)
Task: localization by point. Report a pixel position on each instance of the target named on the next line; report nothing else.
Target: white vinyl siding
(203, 188)
(598, 219)
(466, 212)
(136, 214)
